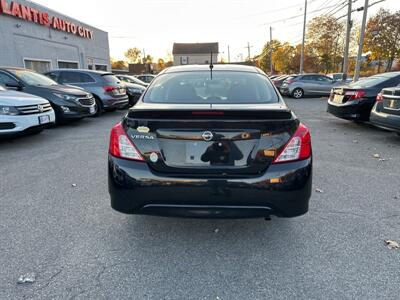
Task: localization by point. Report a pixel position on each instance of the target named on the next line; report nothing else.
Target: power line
(360, 8)
(338, 10)
(299, 5)
(339, 3)
(296, 16)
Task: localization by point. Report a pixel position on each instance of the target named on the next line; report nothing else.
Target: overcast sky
(154, 25)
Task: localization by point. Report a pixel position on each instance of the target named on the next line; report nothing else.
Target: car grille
(391, 92)
(5, 126)
(34, 109)
(391, 103)
(86, 101)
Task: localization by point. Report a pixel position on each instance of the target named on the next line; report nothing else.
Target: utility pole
(144, 56)
(270, 49)
(229, 55)
(361, 42)
(248, 49)
(347, 44)
(304, 38)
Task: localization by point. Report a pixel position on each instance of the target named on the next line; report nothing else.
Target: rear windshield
(198, 87)
(369, 81)
(111, 78)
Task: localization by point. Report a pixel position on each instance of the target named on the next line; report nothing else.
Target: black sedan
(386, 112)
(207, 142)
(134, 92)
(356, 100)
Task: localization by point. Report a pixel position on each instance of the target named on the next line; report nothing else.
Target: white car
(21, 112)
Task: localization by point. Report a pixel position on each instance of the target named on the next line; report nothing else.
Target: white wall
(195, 59)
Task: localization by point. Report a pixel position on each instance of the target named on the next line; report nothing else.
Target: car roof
(387, 74)
(15, 69)
(218, 67)
(83, 71)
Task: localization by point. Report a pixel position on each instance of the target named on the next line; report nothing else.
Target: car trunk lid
(210, 139)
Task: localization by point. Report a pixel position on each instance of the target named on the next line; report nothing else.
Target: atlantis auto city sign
(30, 14)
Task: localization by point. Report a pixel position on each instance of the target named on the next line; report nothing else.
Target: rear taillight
(379, 98)
(298, 147)
(109, 88)
(354, 95)
(121, 146)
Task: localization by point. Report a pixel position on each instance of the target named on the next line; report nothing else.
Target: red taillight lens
(354, 95)
(121, 146)
(109, 88)
(379, 98)
(298, 147)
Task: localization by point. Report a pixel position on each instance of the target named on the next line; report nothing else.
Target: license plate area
(194, 152)
(217, 154)
(44, 119)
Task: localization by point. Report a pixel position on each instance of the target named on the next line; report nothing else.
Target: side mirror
(14, 86)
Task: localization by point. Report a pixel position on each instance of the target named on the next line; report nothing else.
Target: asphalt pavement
(56, 222)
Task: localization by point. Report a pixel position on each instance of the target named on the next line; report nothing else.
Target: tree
(282, 58)
(325, 39)
(264, 59)
(119, 65)
(160, 64)
(133, 55)
(148, 60)
(382, 37)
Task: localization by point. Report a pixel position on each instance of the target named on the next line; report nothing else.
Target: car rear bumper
(76, 112)
(351, 110)
(10, 125)
(284, 190)
(385, 121)
(119, 102)
(284, 91)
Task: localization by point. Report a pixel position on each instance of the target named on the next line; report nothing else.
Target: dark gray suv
(108, 91)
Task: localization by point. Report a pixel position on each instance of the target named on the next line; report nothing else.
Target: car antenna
(211, 65)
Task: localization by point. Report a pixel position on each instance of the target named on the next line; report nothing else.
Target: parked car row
(375, 99)
(312, 84)
(58, 96)
(298, 86)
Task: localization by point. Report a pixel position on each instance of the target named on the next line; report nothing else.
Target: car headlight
(136, 91)
(64, 96)
(8, 110)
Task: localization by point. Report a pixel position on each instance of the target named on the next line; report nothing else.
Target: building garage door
(40, 66)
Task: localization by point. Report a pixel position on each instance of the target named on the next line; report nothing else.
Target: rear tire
(298, 93)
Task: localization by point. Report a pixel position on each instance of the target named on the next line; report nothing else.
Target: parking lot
(56, 221)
